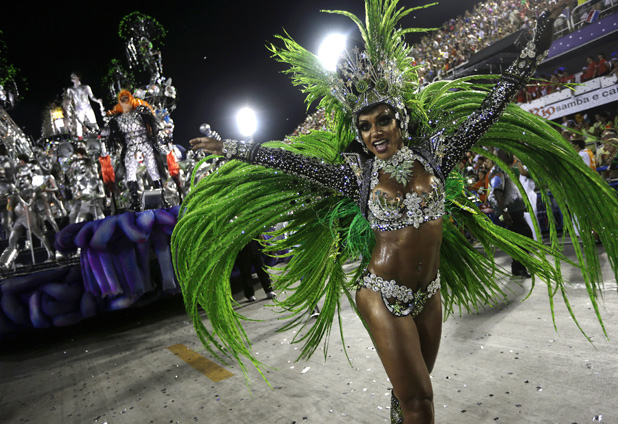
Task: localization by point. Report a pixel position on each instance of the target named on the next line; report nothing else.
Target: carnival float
(87, 210)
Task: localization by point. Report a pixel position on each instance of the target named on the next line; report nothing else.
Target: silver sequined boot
(136, 201)
(396, 412)
(159, 185)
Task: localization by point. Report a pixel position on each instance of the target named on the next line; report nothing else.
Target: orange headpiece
(134, 101)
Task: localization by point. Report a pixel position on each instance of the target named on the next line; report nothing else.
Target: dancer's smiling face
(380, 131)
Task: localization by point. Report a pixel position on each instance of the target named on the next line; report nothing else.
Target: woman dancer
(399, 186)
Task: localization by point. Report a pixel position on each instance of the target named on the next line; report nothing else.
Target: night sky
(214, 52)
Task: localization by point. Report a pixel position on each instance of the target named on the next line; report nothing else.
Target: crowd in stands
(458, 39)
(315, 121)
(461, 37)
(599, 134)
(598, 66)
(594, 136)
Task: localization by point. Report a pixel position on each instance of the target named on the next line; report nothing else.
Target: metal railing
(575, 19)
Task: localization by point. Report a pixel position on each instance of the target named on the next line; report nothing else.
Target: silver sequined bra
(412, 209)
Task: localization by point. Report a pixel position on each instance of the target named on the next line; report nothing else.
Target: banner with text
(575, 104)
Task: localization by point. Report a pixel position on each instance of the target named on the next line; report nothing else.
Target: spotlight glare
(246, 121)
(330, 50)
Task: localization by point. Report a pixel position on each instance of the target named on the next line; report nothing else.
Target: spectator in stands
(564, 77)
(532, 92)
(462, 167)
(586, 154)
(529, 187)
(508, 204)
(568, 135)
(590, 70)
(480, 186)
(603, 66)
(561, 24)
(579, 120)
(569, 123)
(588, 157)
(487, 23)
(608, 134)
(554, 82)
(607, 154)
(587, 131)
(479, 163)
(614, 66)
(544, 86)
(601, 123)
(469, 157)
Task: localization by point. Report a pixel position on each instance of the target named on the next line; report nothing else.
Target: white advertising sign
(573, 104)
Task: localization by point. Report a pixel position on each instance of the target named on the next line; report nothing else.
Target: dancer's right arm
(336, 177)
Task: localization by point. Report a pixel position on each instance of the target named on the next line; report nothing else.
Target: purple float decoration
(114, 272)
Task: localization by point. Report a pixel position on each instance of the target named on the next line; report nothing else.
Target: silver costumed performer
(86, 188)
(134, 126)
(22, 204)
(77, 101)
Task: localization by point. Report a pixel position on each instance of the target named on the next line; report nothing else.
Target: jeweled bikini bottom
(400, 300)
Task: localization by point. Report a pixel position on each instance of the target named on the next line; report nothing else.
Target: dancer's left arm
(513, 79)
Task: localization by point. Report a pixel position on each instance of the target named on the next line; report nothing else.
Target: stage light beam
(330, 50)
(246, 121)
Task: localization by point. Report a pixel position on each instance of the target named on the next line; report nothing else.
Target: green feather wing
(553, 164)
(237, 203)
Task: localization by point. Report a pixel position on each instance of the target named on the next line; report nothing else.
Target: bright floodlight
(330, 51)
(246, 121)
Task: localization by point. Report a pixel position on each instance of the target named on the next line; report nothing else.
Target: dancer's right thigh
(398, 344)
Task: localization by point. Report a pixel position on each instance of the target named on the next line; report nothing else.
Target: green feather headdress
(381, 73)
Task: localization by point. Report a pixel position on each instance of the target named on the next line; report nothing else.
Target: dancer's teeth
(381, 146)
